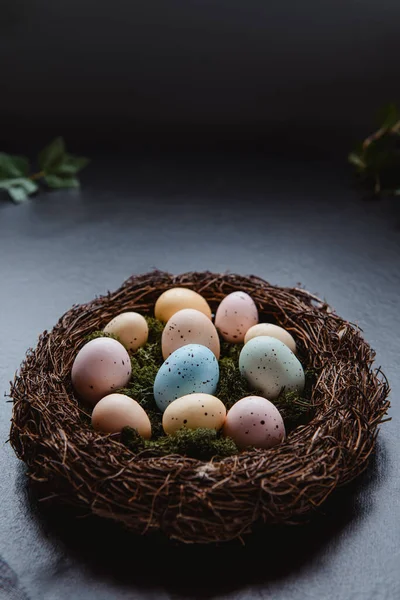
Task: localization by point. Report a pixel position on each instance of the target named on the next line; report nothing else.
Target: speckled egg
(271, 330)
(116, 411)
(194, 411)
(192, 368)
(130, 328)
(189, 326)
(254, 421)
(270, 366)
(101, 366)
(235, 315)
(177, 299)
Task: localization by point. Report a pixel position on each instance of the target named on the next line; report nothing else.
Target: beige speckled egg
(194, 411)
(254, 421)
(101, 366)
(189, 326)
(235, 315)
(116, 411)
(178, 298)
(272, 331)
(130, 328)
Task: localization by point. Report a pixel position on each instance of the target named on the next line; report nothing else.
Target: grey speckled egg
(190, 369)
(269, 366)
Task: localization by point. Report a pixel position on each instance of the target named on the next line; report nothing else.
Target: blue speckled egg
(190, 369)
(270, 366)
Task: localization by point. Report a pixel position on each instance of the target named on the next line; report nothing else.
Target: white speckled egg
(194, 411)
(116, 411)
(192, 368)
(101, 366)
(235, 315)
(254, 421)
(177, 299)
(269, 366)
(130, 328)
(271, 330)
(189, 326)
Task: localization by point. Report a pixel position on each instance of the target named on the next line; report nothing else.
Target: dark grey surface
(288, 223)
(311, 72)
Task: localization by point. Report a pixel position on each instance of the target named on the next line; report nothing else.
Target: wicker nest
(188, 499)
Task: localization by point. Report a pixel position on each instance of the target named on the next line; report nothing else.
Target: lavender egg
(100, 367)
(235, 315)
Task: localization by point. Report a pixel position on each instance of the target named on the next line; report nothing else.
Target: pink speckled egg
(235, 315)
(189, 326)
(254, 421)
(116, 411)
(100, 367)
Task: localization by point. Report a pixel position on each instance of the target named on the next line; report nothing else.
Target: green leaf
(19, 188)
(397, 192)
(389, 116)
(53, 155)
(13, 166)
(58, 182)
(382, 153)
(18, 194)
(357, 160)
(71, 165)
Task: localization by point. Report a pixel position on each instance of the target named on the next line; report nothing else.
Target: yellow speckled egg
(271, 330)
(178, 298)
(130, 328)
(116, 411)
(194, 411)
(189, 326)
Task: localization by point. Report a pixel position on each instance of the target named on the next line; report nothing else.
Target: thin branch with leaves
(57, 169)
(377, 158)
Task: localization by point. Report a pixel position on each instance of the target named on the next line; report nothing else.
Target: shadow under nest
(188, 499)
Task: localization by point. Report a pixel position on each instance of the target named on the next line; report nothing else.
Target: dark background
(218, 132)
(197, 71)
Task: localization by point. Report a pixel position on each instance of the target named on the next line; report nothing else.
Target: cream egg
(254, 421)
(116, 411)
(176, 299)
(271, 330)
(235, 315)
(101, 366)
(189, 326)
(130, 328)
(194, 411)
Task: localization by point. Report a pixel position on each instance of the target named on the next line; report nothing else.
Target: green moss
(202, 444)
(232, 385)
(295, 408)
(155, 330)
(232, 351)
(100, 333)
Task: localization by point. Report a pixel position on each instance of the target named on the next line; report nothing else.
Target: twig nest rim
(74, 464)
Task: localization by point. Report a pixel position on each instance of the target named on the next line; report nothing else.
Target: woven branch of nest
(189, 499)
